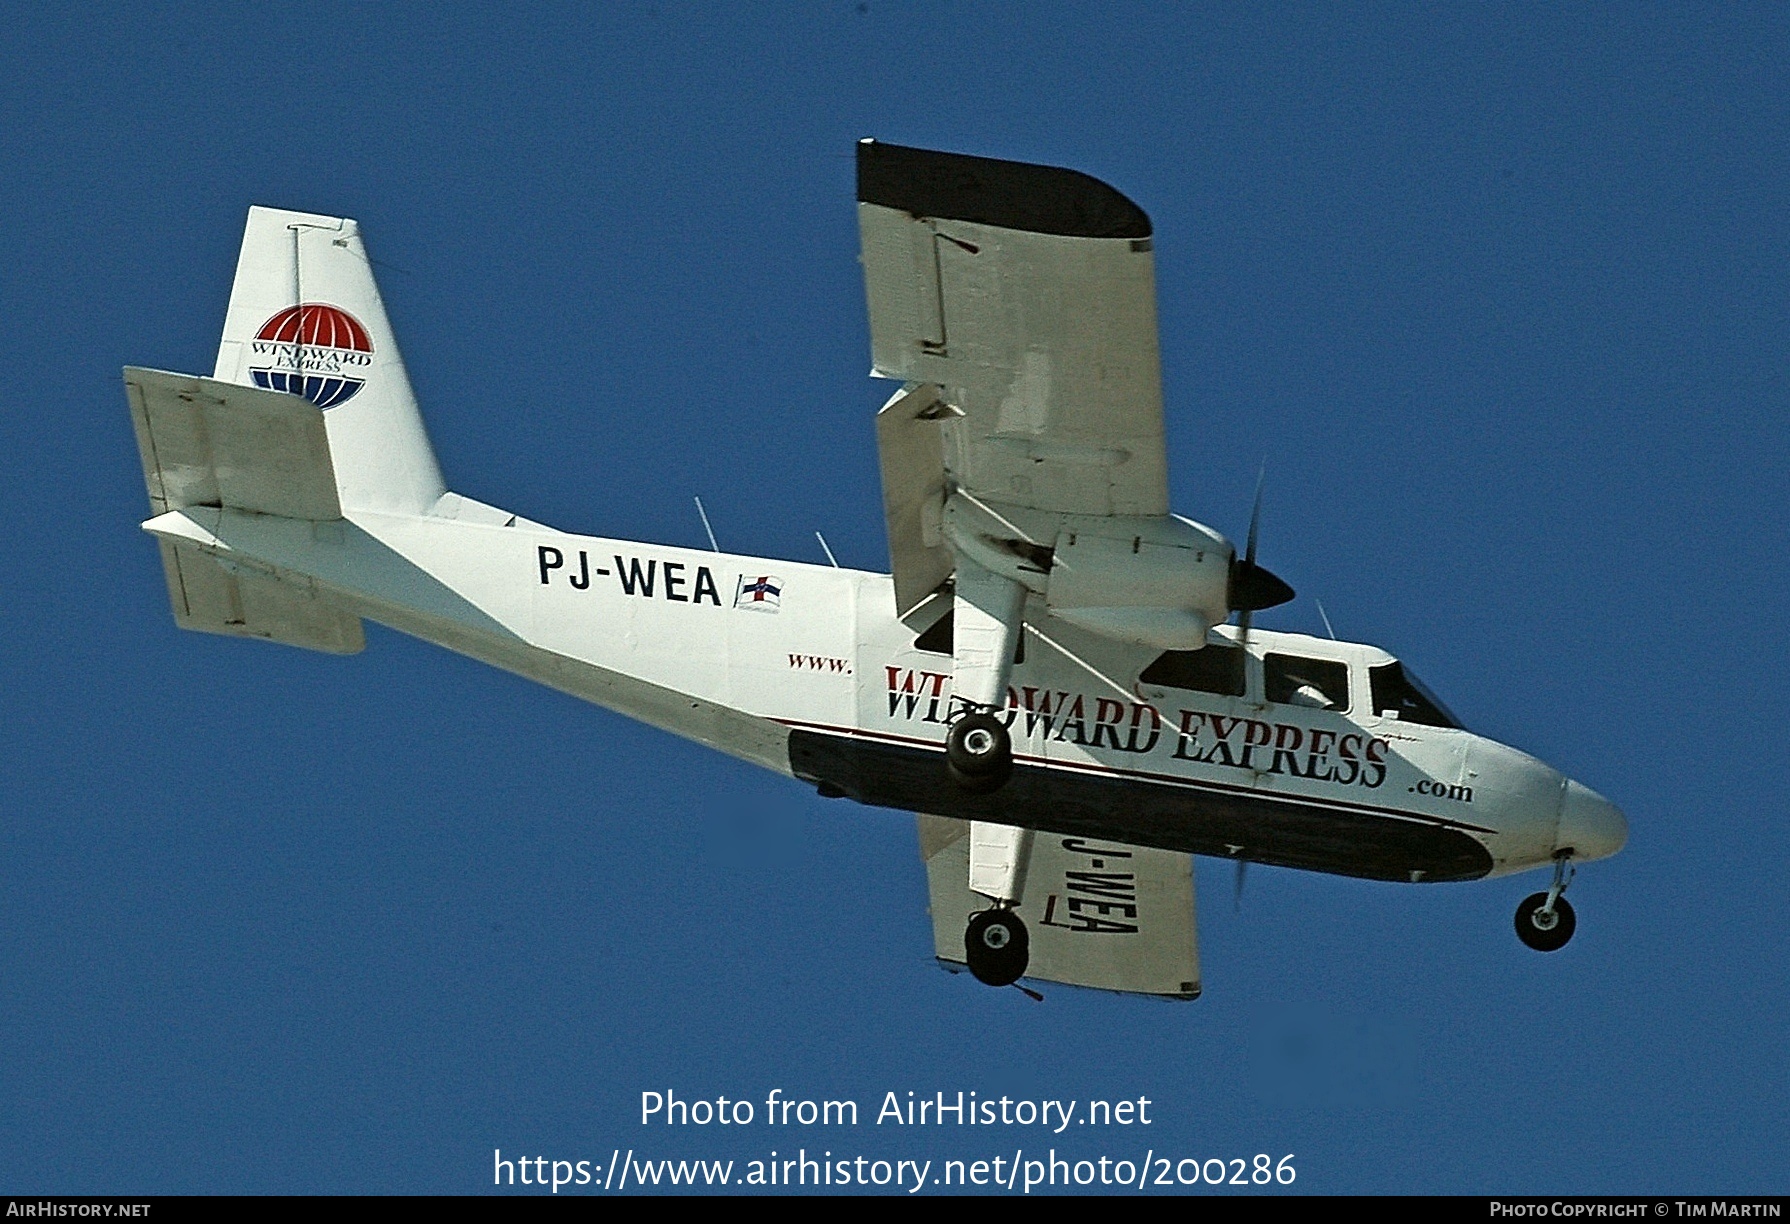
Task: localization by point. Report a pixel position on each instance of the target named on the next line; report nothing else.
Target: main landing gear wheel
(997, 947)
(1542, 930)
(979, 753)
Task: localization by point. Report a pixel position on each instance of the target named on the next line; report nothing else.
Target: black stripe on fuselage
(1128, 808)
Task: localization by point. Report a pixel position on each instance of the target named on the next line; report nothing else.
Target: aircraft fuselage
(805, 669)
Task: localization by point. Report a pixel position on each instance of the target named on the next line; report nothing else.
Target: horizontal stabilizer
(211, 595)
(1100, 914)
(208, 443)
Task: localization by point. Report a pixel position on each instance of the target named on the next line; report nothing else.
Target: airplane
(1050, 675)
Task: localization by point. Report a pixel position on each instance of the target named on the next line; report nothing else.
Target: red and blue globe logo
(315, 350)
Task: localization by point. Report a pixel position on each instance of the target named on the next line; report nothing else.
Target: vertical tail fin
(306, 317)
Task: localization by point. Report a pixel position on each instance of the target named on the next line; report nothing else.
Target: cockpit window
(1402, 695)
(1316, 684)
(1214, 669)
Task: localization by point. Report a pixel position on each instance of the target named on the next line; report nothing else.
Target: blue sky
(1499, 297)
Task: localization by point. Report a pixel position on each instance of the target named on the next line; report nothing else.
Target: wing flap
(911, 450)
(1101, 914)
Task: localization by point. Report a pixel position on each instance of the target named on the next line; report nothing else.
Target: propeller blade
(1242, 871)
(1255, 515)
(1252, 587)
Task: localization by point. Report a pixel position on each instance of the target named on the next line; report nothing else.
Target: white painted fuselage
(806, 670)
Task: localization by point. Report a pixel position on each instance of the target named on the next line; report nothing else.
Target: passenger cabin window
(1214, 669)
(1399, 694)
(940, 639)
(1316, 684)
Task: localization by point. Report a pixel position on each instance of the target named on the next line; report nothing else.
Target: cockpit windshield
(1400, 694)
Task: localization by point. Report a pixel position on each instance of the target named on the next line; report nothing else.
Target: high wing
(1019, 303)
(1101, 914)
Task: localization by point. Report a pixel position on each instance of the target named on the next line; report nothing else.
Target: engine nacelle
(1163, 582)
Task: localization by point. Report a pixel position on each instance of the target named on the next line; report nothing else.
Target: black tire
(997, 947)
(1533, 930)
(979, 752)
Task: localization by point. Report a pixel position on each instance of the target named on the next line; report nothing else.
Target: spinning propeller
(1252, 586)
(1252, 589)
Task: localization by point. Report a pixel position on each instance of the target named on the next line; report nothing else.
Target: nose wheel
(997, 947)
(1545, 920)
(979, 753)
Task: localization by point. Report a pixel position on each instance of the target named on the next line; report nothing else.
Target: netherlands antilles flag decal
(318, 351)
(761, 593)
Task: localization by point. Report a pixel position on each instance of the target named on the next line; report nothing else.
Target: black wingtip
(990, 191)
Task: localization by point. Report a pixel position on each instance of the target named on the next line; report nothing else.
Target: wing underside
(1100, 914)
(1026, 296)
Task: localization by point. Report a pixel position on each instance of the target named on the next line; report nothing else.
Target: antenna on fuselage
(825, 549)
(1326, 616)
(704, 514)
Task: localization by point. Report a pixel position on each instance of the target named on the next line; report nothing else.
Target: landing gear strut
(1545, 920)
(979, 752)
(997, 946)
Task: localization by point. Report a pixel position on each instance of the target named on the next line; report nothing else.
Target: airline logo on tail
(318, 351)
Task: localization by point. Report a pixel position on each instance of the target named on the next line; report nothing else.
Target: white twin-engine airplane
(1049, 674)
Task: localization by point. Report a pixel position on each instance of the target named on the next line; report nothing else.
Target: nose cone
(1590, 826)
